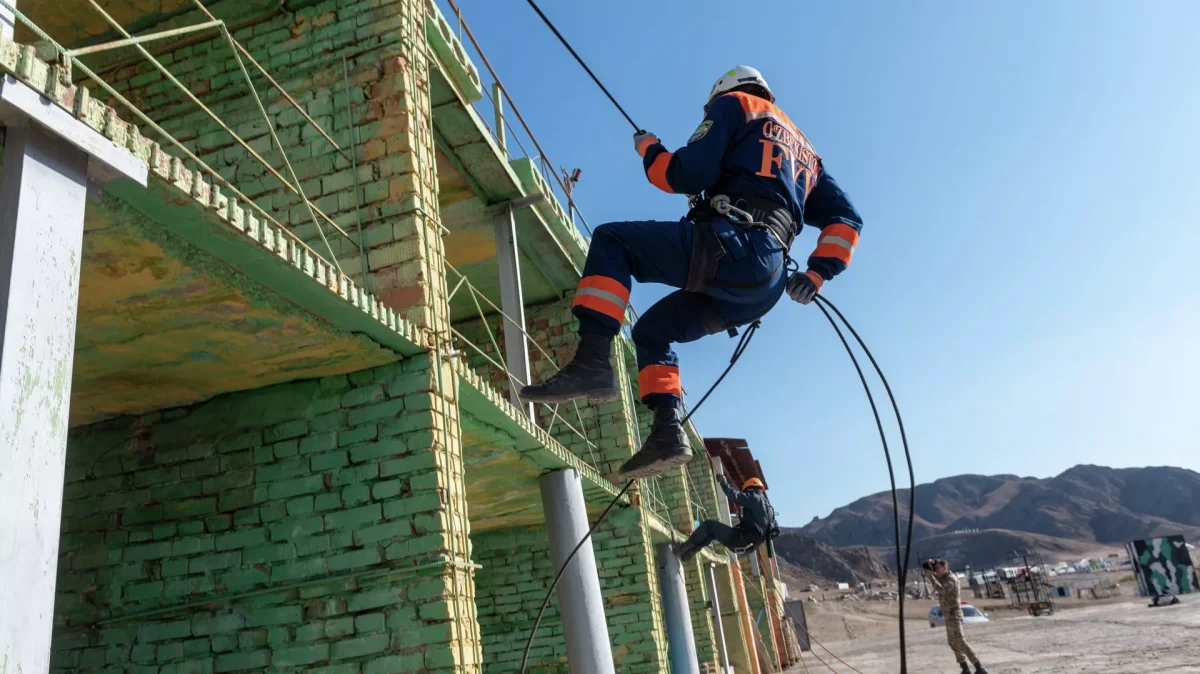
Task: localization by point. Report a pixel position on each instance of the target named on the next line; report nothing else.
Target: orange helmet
(753, 482)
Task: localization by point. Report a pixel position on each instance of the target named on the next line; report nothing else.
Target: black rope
(591, 74)
(901, 566)
(743, 343)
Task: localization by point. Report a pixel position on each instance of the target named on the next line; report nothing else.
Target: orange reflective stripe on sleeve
(604, 295)
(837, 241)
(842, 231)
(657, 173)
(659, 379)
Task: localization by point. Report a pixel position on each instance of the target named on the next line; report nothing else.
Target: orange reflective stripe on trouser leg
(603, 295)
(659, 379)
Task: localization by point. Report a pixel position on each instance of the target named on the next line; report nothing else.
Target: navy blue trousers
(660, 252)
(732, 538)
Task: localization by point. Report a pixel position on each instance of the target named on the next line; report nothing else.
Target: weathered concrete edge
(474, 391)
(449, 50)
(551, 212)
(550, 215)
(226, 228)
(267, 256)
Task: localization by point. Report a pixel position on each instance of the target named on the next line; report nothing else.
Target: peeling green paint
(154, 307)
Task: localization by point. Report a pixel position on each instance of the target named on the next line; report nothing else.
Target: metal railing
(70, 59)
(557, 422)
(501, 130)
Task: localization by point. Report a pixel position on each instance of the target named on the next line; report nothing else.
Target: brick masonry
(361, 70)
(318, 525)
(517, 572)
(322, 525)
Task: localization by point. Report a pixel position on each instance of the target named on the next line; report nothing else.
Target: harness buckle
(723, 205)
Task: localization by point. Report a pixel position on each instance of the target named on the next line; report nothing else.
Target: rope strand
(595, 79)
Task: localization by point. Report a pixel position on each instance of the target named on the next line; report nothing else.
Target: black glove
(803, 287)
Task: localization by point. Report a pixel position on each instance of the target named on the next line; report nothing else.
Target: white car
(971, 615)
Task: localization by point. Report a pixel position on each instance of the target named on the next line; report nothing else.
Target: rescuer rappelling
(756, 179)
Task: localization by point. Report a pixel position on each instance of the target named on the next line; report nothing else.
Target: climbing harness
(764, 215)
(707, 249)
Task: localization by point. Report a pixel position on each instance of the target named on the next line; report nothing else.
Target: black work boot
(667, 446)
(589, 375)
(966, 669)
(684, 551)
(979, 669)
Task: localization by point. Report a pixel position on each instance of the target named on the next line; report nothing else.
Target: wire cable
(912, 490)
(901, 564)
(571, 49)
(743, 343)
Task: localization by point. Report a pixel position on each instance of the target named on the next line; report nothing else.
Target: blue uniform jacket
(756, 516)
(747, 147)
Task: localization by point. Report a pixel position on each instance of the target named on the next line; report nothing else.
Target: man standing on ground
(945, 586)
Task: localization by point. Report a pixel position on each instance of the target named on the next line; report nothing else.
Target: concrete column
(580, 602)
(498, 101)
(748, 628)
(722, 500)
(7, 20)
(43, 188)
(516, 349)
(718, 627)
(680, 640)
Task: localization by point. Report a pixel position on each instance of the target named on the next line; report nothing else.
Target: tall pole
(681, 641)
(516, 350)
(722, 650)
(49, 159)
(580, 602)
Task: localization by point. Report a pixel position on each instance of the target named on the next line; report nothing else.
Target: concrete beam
(108, 161)
(8, 21)
(43, 190)
(580, 602)
(516, 348)
(718, 627)
(722, 500)
(681, 641)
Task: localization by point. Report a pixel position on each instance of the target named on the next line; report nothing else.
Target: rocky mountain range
(979, 519)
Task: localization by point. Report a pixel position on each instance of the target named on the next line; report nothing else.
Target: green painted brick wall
(608, 428)
(305, 526)
(518, 570)
(361, 69)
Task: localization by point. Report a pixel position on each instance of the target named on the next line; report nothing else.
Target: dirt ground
(1116, 636)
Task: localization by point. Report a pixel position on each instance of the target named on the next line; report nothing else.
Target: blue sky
(1028, 274)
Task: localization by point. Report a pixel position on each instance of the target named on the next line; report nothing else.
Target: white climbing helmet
(737, 77)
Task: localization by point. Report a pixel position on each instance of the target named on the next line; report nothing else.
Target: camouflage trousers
(958, 642)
